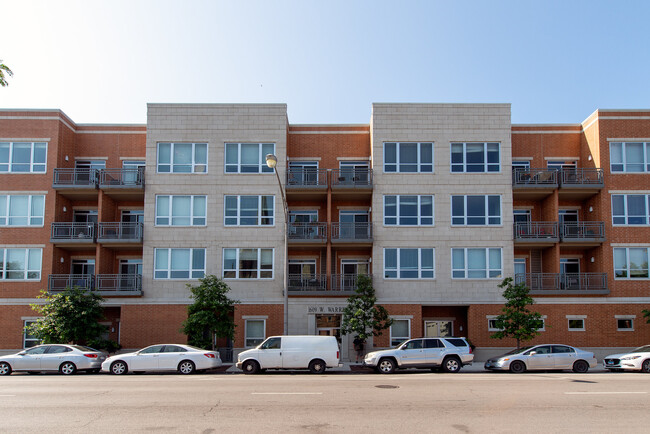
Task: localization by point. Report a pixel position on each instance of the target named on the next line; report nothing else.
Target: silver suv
(450, 354)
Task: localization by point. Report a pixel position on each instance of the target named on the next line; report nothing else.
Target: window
(248, 263)
(625, 323)
(476, 263)
(249, 210)
(182, 157)
(23, 157)
(248, 157)
(521, 165)
(400, 331)
(179, 263)
(180, 210)
(576, 323)
(29, 340)
(492, 323)
(631, 263)
(633, 157)
(408, 157)
(20, 264)
(255, 332)
(476, 210)
(22, 210)
(630, 209)
(475, 157)
(408, 210)
(408, 263)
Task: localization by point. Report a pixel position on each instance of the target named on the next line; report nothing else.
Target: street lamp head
(271, 160)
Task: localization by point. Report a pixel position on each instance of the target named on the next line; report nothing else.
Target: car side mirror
(21, 354)
(532, 353)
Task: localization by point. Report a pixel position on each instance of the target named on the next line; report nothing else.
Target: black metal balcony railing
(62, 231)
(108, 283)
(345, 282)
(582, 177)
(541, 231)
(535, 177)
(119, 231)
(307, 282)
(307, 231)
(583, 231)
(351, 231)
(352, 177)
(75, 177)
(306, 178)
(564, 281)
(59, 282)
(125, 177)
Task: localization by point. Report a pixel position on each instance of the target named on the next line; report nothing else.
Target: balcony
(582, 234)
(352, 233)
(59, 282)
(72, 235)
(119, 234)
(306, 284)
(536, 234)
(345, 283)
(123, 184)
(78, 184)
(307, 233)
(580, 184)
(564, 284)
(533, 184)
(352, 182)
(301, 181)
(119, 285)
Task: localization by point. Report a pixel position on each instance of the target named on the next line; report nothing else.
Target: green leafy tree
(646, 314)
(71, 316)
(210, 316)
(4, 69)
(516, 320)
(361, 316)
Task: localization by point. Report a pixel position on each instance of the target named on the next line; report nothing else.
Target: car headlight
(630, 357)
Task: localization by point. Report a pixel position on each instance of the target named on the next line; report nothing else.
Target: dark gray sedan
(543, 357)
(66, 359)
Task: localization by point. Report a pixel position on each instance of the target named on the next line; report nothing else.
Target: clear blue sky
(101, 62)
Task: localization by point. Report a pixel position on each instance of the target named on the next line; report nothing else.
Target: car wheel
(386, 366)
(5, 368)
(517, 367)
(580, 367)
(451, 365)
(67, 368)
(317, 366)
(186, 367)
(645, 366)
(251, 367)
(119, 368)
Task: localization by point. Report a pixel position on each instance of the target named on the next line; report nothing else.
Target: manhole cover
(386, 386)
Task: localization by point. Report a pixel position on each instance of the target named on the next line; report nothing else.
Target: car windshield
(643, 349)
(516, 351)
(195, 348)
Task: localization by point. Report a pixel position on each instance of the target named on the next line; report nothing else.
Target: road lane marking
(604, 393)
(286, 393)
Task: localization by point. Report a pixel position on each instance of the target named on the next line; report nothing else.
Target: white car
(543, 357)
(66, 359)
(636, 360)
(185, 359)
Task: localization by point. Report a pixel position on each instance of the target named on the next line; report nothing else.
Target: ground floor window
(255, 332)
(576, 324)
(29, 340)
(400, 331)
(624, 323)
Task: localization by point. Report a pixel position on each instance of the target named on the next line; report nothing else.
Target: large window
(23, 157)
(631, 263)
(633, 157)
(409, 263)
(476, 210)
(182, 157)
(180, 210)
(255, 332)
(400, 331)
(475, 157)
(476, 263)
(408, 157)
(179, 263)
(408, 210)
(249, 210)
(248, 263)
(29, 340)
(630, 209)
(22, 210)
(248, 157)
(20, 264)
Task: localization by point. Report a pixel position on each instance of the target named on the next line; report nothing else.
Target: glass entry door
(435, 329)
(329, 325)
(131, 174)
(354, 225)
(350, 269)
(354, 172)
(130, 274)
(570, 273)
(303, 173)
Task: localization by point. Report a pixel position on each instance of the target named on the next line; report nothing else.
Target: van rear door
(270, 353)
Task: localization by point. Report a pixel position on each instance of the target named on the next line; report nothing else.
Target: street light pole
(272, 162)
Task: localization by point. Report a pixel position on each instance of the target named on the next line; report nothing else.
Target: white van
(291, 352)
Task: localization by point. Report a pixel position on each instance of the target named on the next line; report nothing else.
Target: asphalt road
(336, 402)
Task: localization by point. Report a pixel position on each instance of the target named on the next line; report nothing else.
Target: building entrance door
(329, 325)
(435, 329)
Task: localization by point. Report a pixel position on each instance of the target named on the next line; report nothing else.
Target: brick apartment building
(436, 202)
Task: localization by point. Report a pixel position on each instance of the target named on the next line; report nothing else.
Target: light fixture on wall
(593, 259)
(460, 328)
(589, 158)
(591, 209)
(65, 209)
(66, 158)
(62, 259)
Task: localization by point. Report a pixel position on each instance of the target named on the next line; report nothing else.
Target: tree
(4, 69)
(361, 315)
(516, 321)
(71, 316)
(646, 314)
(210, 316)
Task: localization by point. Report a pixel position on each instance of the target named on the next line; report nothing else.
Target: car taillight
(90, 356)
(337, 354)
(210, 356)
(470, 350)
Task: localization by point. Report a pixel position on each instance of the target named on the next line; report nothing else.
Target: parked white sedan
(168, 357)
(543, 357)
(66, 359)
(636, 360)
